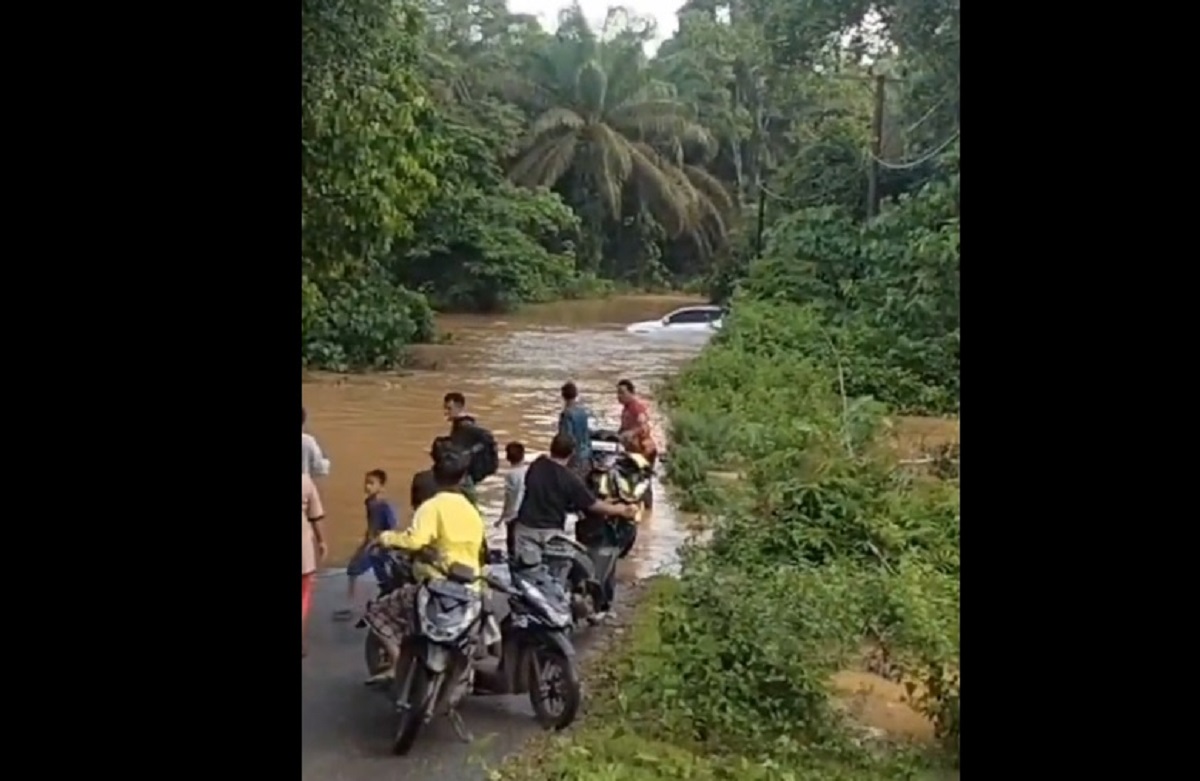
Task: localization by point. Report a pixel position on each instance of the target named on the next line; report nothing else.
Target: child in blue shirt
(381, 517)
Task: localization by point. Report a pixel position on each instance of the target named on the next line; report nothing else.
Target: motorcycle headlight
(556, 616)
(443, 625)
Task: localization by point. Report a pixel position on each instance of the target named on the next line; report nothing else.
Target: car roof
(697, 308)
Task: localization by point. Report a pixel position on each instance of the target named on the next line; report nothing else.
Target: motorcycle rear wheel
(567, 687)
(410, 719)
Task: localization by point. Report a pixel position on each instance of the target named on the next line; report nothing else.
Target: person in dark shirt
(425, 484)
(464, 432)
(380, 518)
(573, 420)
(551, 491)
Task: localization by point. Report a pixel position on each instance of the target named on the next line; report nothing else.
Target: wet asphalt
(346, 727)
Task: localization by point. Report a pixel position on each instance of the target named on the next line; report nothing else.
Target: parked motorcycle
(434, 668)
(447, 656)
(535, 654)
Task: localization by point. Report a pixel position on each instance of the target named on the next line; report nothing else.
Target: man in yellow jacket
(450, 525)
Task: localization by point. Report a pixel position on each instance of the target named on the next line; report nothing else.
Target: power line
(777, 197)
(914, 163)
(926, 115)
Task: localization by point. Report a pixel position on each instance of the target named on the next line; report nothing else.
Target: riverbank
(835, 518)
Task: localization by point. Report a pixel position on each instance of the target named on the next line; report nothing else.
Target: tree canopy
(459, 156)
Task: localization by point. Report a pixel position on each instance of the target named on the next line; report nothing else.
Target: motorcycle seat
(461, 574)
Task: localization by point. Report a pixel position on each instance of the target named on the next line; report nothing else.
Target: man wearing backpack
(468, 435)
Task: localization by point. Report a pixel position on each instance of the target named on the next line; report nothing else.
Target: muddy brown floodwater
(510, 368)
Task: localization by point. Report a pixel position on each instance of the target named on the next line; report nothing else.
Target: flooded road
(510, 369)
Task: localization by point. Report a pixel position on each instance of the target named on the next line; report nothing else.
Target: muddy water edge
(510, 368)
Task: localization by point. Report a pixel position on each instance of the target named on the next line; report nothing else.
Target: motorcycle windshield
(447, 610)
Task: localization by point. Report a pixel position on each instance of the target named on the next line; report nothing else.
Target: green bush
(828, 549)
(360, 325)
(886, 294)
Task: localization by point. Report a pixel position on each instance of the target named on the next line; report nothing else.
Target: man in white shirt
(312, 461)
(514, 487)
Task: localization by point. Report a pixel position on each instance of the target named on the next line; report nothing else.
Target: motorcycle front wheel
(410, 714)
(375, 654)
(555, 691)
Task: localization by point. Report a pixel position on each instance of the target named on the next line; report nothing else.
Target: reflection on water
(510, 368)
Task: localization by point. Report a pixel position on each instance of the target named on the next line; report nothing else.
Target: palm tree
(601, 119)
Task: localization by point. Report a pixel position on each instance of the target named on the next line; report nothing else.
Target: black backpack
(485, 457)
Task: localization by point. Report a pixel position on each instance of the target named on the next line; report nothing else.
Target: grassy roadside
(614, 742)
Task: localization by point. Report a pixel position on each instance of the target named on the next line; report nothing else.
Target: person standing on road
(573, 421)
(514, 489)
(551, 491)
(312, 460)
(312, 549)
(380, 518)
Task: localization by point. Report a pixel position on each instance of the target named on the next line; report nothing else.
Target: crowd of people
(538, 495)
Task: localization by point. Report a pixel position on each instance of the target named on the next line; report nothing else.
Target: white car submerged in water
(685, 320)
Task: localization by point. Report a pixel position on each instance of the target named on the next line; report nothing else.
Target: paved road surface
(346, 727)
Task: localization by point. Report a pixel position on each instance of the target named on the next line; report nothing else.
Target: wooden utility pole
(762, 218)
(876, 147)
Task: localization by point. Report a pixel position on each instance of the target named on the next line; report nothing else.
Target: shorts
(390, 616)
(363, 562)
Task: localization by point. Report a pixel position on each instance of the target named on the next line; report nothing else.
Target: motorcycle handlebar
(428, 556)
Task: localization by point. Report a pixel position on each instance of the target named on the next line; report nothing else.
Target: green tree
(610, 132)
(366, 174)
(365, 162)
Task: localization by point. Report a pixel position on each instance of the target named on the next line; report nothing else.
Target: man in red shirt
(635, 433)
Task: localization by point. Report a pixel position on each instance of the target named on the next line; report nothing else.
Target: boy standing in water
(380, 518)
(573, 421)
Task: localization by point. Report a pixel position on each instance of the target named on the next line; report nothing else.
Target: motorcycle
(605, 441)
(607, 446)
(434, 668)
(447, 655)
(535, 654)
(586, 566)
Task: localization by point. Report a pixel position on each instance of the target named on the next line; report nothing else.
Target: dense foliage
(827, 552)
(457, 151)
(458, 156)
